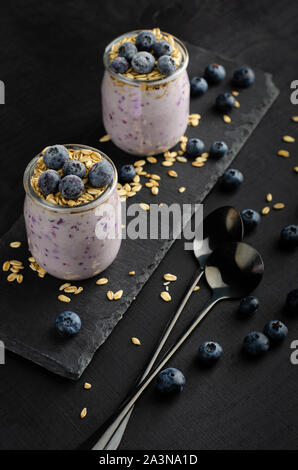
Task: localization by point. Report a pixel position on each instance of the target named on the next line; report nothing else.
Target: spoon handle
(118, 434)
(100, 439)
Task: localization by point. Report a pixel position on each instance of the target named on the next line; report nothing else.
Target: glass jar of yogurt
(146, 114)
(73, 242)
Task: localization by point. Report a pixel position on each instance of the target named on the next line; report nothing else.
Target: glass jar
(76, 242)
(145, 117)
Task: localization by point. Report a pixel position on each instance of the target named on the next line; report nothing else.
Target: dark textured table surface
(51, 65)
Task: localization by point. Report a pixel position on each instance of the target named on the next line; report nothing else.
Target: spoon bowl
(235, 268)
(222, 225)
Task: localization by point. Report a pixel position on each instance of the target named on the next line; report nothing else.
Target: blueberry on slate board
(120, 65)
(198, 86)
(170, 380)
(143, 62)
(162, 48)
(68, 323)
(145, 41)
(214, 73)
(127, 50)
(209, 352)
(101, 174)
(231, 179)
(127, 173)
(55, 157)
(71, 187)
(195, 147)
(48, 182)
(74, 167)
(275, 330)
(250, 218)
(218, 149)
(292, 302)
(248, 305)
(225, 102)
(255, 343)
(289, 236)
(243, 76)
(166, 65)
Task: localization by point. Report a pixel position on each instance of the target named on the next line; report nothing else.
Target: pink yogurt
(77, 242)
(145, 118)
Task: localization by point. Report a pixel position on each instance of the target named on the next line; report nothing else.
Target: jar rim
(160, 81)
(67, 209)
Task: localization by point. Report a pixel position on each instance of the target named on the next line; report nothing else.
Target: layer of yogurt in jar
(146, 115)
(73, 240)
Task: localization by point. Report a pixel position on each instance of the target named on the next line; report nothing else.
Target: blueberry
(195, 147)
(71, 187)
(120, 65)
(143, 62)
(244, 76)
(162, 48)
(214, 73)
(255, 343)
(166, 65)
(127, 50)
(248, 305)
(170, 380)
(231, 179)
(218, 149)
(55, 157)
(292, 302)
(198, 86)
(250, 218)
(225, 102)
(74, 167)
(289, 236)
(145, 41)
(127, 173)
(68, 323)
(101, 174)
(275, 330)
(209, 352)
(48, 182)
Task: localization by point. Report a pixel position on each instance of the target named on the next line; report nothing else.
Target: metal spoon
(232, 271)
(222, 225)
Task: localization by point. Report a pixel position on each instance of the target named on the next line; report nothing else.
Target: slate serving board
(29, 309)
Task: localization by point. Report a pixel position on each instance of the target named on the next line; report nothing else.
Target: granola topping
(85, 156)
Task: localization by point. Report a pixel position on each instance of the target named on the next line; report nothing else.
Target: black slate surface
(238, 404)
(32, 335)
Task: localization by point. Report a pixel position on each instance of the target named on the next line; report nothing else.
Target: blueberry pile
(70, 182)
(196, 147)
(143, 56)
(257, 343)
(243, 77)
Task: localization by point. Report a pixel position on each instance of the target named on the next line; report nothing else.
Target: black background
(51, 65)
